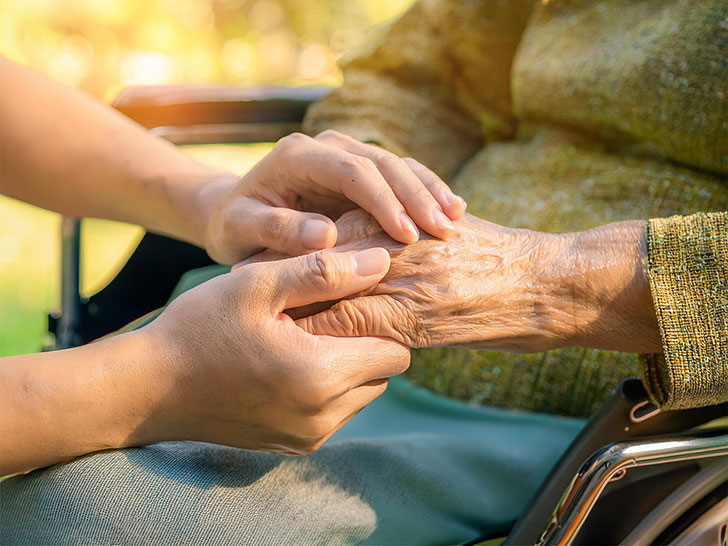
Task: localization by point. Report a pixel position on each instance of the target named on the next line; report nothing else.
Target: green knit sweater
(563, 115)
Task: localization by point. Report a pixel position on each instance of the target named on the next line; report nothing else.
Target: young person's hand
(286, 202)
(222, 364)
(97, 163)
(241, 373)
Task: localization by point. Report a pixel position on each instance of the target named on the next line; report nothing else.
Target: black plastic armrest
(186, 114)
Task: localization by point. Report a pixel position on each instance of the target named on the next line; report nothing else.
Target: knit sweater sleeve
(688, 274)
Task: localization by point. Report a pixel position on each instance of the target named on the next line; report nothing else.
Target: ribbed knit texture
(688, 256)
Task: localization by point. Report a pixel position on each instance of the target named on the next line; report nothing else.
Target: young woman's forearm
(219, 365)
(63, 151)
(59, 405)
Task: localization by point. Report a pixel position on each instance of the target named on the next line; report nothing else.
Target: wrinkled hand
(498, 288)
(286, 202)
(476, 289)
(240, 372)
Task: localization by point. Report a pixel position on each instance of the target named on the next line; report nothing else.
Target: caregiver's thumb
(327, 275)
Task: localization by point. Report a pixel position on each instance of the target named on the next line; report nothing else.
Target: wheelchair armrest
(627, 416)
(201, 114)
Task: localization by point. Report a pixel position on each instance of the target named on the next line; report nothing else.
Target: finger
(352, 401)
(379, 316)
(360, 360)
(355, 231)
(453, 205)
(356, 225)
(287, 230)
(355, 177)
(250, 225)
(350, 404)
(323, 276)
(417, 199)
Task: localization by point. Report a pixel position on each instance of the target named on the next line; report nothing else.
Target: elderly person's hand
(286, 202)
(492, 287)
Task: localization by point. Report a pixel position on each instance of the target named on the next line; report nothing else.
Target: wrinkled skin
(474, 290)
(498, 288)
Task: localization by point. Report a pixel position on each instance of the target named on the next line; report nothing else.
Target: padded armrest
(185, 105)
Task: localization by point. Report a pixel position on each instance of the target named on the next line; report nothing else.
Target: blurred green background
(101, 46)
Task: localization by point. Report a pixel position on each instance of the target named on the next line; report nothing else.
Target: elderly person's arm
(651, 287)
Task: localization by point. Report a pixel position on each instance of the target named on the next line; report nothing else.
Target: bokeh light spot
(238, 57)
(145, 68)
(314, 61)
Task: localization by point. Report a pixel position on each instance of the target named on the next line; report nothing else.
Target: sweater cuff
(688, 273)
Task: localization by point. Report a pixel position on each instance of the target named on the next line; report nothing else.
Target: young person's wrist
(131, 369)
(208, 196)
(195, 197)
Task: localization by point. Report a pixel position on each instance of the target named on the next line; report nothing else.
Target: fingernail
(450, 198)
(238, 265)
(462, 201)
(314, 234)
(407, 223)
(371, 261)
(442, 221)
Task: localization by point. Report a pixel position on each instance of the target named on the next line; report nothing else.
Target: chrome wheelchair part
(612, 423)
(675, 504)
(612, 461)
(643, 411)
(69, 319)
(710, 528)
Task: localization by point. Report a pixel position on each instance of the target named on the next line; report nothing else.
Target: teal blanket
(411, 468)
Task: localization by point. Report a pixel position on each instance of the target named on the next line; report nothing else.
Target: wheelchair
(634, 475)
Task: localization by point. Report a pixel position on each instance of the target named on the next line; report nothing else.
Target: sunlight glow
(146, 67)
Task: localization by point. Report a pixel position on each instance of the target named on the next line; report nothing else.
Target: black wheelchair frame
(634, 475)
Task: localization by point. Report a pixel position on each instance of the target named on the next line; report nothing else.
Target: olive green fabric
(689, 255)
(555, 116)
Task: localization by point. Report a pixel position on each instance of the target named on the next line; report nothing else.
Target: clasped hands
(281, 352)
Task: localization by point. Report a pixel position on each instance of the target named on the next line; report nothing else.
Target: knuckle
(275, 226)
(402, 362)
(313, 399)
(412, 163)
(330, 135)
(229, 223)
(309, 447)
(291, 141)
(356, 165)
(350, 317)
(323, 270)
(413, 331)
(387, 159)
(318, 397)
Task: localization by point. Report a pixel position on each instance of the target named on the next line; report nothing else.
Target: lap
(412, 467)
